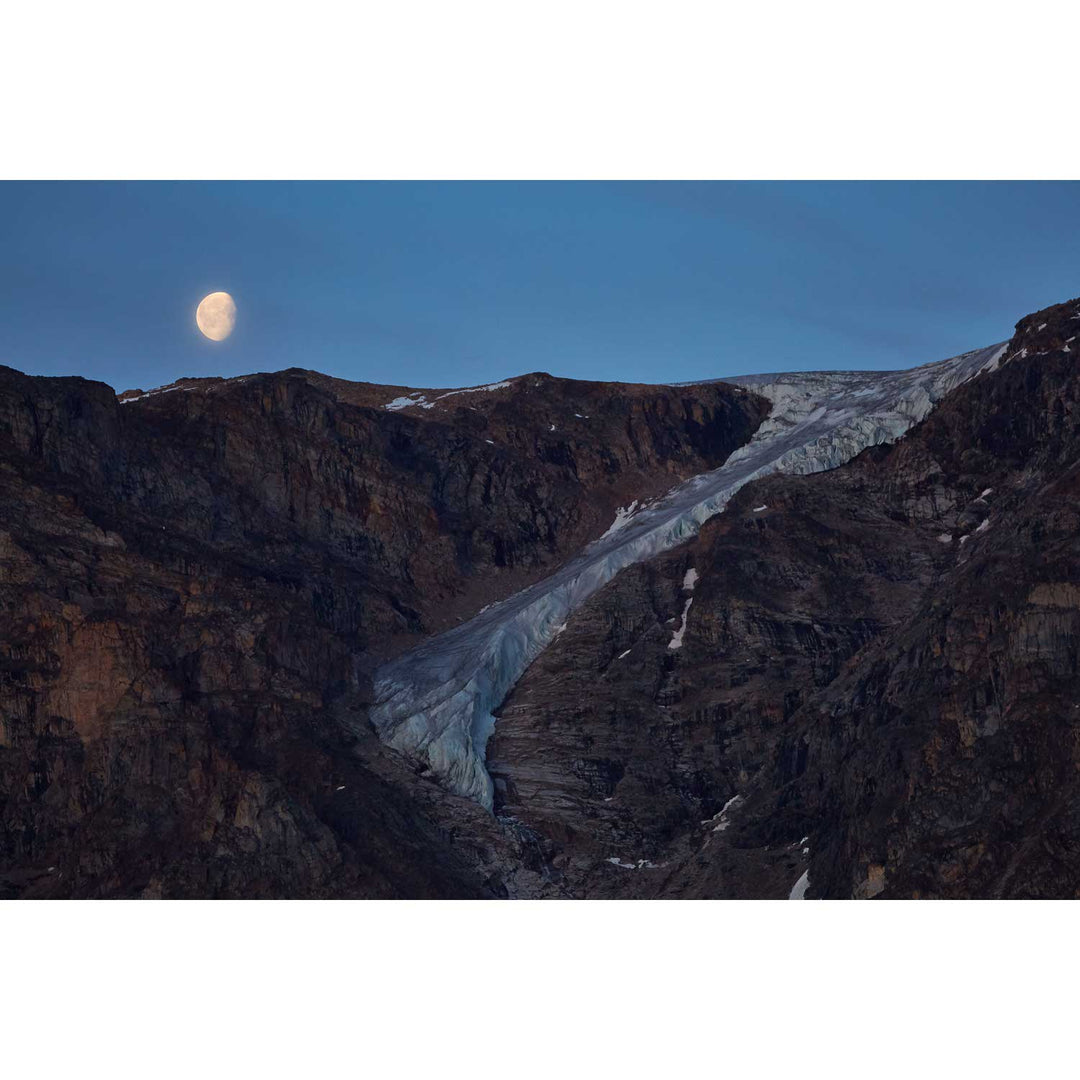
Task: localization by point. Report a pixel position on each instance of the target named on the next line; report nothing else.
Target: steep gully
(435, 703)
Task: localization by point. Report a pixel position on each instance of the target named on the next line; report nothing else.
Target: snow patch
(623, 655)
(690, 579)
(676, 638)
(156, 391)
(995, 361)
(758, 509)
(798, 890)
(622, 517)
(721, 818)
(641, 864)
(479, 389)
(421, 400)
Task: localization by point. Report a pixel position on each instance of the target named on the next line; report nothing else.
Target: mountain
(435, 702)
(198, 582)
(809, 634)
(874, 690)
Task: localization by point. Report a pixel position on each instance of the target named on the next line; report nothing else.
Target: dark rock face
(958, 736)
(618, 746)
(872, 688)
(877, 678)
(195, 586)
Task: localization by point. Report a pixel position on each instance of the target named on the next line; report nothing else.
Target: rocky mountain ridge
(873, 690)
(435, 702)
(857, 680)
(197, 583)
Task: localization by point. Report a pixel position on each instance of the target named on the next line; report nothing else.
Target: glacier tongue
(435, 703)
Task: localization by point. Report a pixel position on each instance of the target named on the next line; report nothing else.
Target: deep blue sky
(445, 284)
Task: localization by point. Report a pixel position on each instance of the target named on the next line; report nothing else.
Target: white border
(540, 989)
(582, 89)
(556, 90)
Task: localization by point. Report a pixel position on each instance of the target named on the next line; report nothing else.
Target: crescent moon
(216, 315)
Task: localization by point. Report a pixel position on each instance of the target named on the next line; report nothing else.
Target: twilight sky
(452, 284)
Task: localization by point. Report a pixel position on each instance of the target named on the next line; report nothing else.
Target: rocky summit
(809, 635)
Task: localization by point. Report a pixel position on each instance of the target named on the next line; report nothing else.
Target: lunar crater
(216, 315)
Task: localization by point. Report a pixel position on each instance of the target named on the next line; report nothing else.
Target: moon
(216, 315)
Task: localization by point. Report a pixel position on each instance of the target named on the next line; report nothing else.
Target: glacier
(435, 703)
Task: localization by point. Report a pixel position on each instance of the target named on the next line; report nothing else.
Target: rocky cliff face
(856, 682)
(435, 703)
(946, 762)
(870, 692)
(197, 582)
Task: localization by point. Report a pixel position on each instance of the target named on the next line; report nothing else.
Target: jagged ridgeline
(806, 635)
(199, 580)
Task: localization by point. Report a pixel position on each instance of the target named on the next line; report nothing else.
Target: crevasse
(435, 703)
